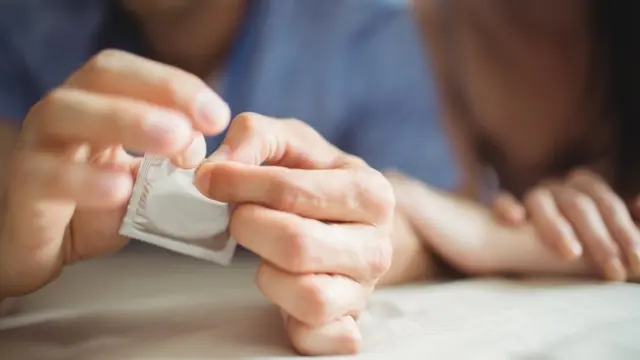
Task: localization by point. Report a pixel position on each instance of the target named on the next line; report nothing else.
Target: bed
(150, 304)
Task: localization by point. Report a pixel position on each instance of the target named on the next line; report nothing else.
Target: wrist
(412, 260)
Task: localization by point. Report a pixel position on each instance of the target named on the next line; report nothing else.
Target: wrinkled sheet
(156, 305)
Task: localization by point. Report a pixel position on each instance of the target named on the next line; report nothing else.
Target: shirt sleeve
(15, 82)
(395, 123)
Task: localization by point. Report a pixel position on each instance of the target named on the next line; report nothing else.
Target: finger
(346, 195)
(352, 191)
(314, 299)
(69, 115)
(553, 227)
(43, 176)
(123, 74)
(588, 224)
(341, 337)
(255, 140)
(44, 191)
(300, 245)
(508, 209)
(193, 155)
(615, 214)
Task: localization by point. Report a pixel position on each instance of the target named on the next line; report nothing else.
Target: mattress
(150, 304)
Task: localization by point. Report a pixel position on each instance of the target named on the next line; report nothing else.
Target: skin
(524, 71)
(70, 180)
(194, 35)
(66, 181)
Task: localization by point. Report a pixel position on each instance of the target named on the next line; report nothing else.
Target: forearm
(466, 235)
(411, 259)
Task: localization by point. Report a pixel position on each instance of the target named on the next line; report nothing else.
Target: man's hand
(71, 176)
(580, 212)
(320, 219)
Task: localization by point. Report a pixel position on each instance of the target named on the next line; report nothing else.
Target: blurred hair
(615, 26)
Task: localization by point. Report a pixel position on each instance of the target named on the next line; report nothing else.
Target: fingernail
(614, 270)
(574, 250)
(202, 180)
(212, 113)
(223, 153)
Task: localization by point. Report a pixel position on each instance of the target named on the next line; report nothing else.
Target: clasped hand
(580, 215)
(320, 220)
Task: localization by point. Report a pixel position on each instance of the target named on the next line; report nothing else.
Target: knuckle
(246, 123)
(181, 88)
(35, 121)
(358, 162)
(317, 300)
(285, 195)
(530, 196)
(376, 194)
(579, 202)
(52, 100)
(611, 205)
(304, 135)
(536, 194)
(297, 254)
(107, 60)
(578, 175)
(380, 261)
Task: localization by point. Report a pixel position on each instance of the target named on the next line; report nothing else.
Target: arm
(467, 236)
(461, 230)
(393, 125)
(398, 129)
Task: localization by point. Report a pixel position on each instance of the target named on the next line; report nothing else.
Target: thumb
(255, 139)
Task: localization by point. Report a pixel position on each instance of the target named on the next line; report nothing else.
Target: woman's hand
(71, 177)
(581, 212)
(320, 219)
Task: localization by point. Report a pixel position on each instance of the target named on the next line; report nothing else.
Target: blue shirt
(355, 70)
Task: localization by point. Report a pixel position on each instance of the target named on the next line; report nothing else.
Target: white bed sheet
(155, 305)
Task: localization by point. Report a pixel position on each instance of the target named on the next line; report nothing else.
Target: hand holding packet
(167, 210)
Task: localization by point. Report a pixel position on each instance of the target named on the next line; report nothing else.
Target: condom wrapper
(167, 210)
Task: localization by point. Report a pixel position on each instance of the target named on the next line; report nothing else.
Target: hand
(320, 220)
(71, 177)
(582, 211)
